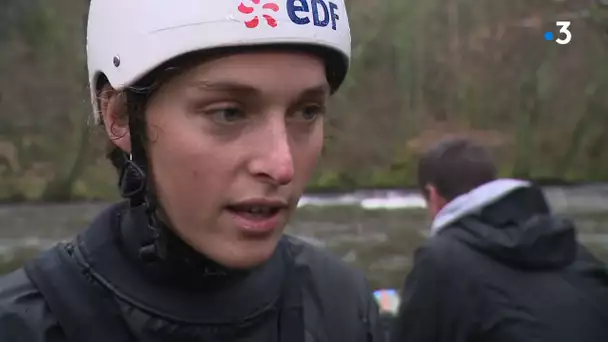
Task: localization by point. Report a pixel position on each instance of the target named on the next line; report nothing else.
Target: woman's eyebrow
(318, 90)
(235, 86)
(231, 86)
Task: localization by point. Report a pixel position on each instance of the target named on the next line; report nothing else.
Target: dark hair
(136, 100)
(455, 166)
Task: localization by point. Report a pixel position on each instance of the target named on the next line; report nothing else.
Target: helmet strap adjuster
(133, 185)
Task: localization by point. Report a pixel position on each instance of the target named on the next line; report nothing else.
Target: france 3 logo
(563, 36)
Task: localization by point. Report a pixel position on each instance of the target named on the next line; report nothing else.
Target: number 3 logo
(564, 29)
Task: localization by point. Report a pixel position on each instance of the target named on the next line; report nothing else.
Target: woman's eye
(309, 113)
(227, 115)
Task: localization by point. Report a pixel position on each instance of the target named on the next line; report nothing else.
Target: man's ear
(115, 119)
(435, 200)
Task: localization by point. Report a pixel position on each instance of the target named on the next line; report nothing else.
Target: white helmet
(126, 39)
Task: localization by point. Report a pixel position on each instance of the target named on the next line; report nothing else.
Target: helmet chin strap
(134, 185)
(160, 244)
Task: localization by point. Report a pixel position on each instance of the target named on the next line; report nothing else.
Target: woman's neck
(178, 261)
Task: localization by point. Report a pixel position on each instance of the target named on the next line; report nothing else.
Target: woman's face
(233, 143)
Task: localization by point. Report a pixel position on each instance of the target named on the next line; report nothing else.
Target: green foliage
(420, 70)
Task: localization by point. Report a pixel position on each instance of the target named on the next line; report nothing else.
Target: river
(377, 231)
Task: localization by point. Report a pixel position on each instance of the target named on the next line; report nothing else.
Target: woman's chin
(243, 254)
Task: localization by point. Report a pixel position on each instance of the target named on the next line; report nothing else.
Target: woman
(215, 111)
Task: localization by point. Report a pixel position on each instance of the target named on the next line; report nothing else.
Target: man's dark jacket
(159, 302)
(509, 272)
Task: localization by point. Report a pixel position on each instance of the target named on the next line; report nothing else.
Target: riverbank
(375, 230)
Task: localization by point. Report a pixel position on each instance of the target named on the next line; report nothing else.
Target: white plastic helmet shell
(126, 39)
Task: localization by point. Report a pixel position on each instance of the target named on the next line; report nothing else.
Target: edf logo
(322, 12)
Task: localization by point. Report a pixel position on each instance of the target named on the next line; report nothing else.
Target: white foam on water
(405, 202)
(367, 201)
(328, 201)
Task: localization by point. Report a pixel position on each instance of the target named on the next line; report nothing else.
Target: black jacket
(509, 272)
(159, 303)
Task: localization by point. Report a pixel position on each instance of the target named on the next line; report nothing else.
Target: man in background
(499, 266)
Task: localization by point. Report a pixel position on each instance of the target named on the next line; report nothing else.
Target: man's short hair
(455, 166)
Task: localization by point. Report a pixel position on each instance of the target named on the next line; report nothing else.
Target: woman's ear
(115, 118)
